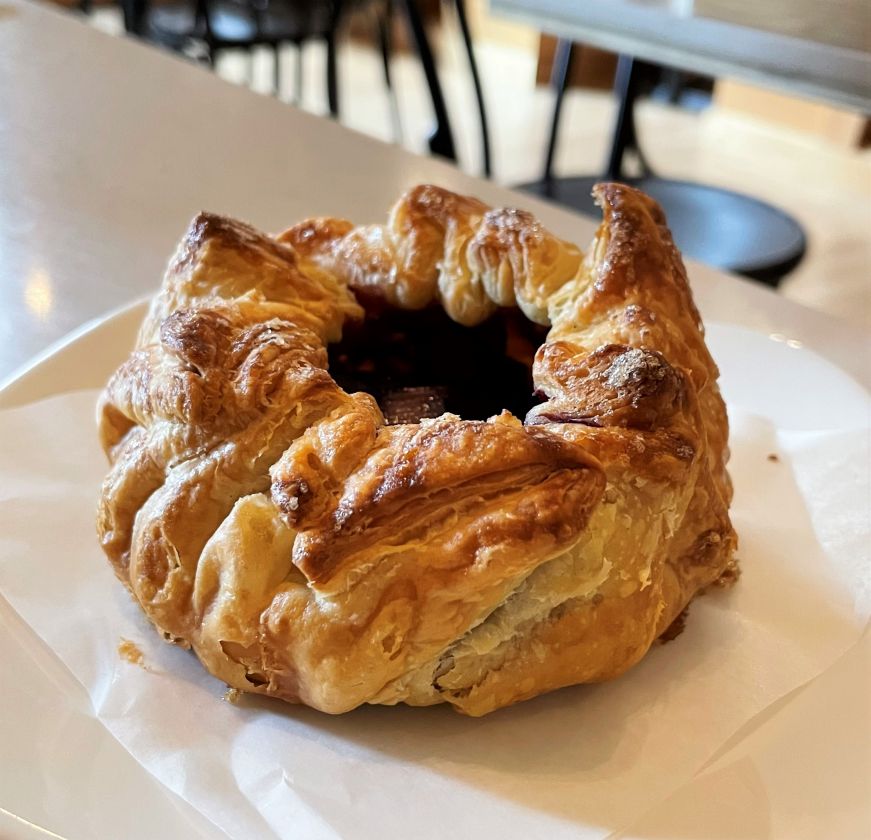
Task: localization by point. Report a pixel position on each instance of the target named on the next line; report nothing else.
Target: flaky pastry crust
(309, 551)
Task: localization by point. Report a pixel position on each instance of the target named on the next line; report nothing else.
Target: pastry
(294, 495)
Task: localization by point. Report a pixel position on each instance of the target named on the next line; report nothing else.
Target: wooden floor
(826, 188)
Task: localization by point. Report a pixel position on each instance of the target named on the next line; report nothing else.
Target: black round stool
(715, 226)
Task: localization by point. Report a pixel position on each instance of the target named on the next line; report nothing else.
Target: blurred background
(748, 120)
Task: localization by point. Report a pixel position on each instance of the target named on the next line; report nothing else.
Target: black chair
(441, 141)
(204, 28)
(715, 226)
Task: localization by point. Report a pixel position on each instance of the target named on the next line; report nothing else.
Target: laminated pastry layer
(390, 552)
(308, 550)
(440, 246)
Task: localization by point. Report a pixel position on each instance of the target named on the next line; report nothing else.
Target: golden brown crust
(615, 385)
(441, 246)
(418, 478)
(308, 551)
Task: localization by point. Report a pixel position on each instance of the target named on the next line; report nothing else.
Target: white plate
(96, 787)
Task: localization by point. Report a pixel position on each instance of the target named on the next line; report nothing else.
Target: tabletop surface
(108, 148)
(817, 48)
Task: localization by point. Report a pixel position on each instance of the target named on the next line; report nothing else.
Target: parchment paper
(579, 763)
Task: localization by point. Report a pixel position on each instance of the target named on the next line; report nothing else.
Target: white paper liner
(579, 763)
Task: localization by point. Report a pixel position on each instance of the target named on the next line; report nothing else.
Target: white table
(805, 47)
(107, 148)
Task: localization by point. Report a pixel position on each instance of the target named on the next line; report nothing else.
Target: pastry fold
(309, 551)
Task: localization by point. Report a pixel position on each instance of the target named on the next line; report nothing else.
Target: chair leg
(298, 81)
(135, 13)
(249, 68)
(441, 141)
(476, 80)
(332, 62)
(383, 18)
(332, 79)
(559, 79)
(627, 87)
(276, 69)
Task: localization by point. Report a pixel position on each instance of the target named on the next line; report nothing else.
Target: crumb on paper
(773, 458)
(128, 650)
(232, 695)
